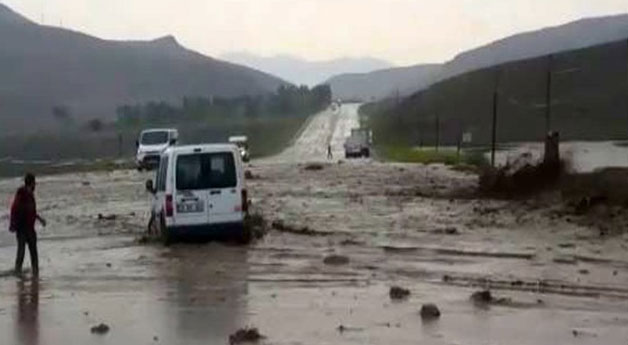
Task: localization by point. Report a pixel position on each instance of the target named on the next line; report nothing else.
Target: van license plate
(193, 207)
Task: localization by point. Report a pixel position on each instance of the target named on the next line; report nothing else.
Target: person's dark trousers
(26, 237)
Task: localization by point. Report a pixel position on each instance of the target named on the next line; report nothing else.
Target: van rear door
(191, 198)
(210, 179)
(225, 204)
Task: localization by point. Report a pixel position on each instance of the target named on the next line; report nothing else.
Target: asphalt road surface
(349, 230)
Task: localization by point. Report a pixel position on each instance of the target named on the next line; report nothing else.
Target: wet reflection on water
(27, 319)
(209, 288)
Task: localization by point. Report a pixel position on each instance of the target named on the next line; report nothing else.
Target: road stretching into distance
(391, 224)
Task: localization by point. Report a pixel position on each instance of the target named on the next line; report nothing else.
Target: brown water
(390, 220)
(583, 156)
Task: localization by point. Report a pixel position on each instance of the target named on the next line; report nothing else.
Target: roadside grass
(14, 170)
(466, 160)
(78, 151)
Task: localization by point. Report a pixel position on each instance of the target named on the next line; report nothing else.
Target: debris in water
(100, 329)
(350, 242)
(336, 260)
(256, 226)
(248, 174)
(580, 333)
(314, 167)
(583, 271)
(485, 297)
(108, 264)
(446, 231)
(429, 312)
(521, 177)
(106, 217)
(143, 239)
(280, 226)
(398, 293)
(245, 335)
(343, 328)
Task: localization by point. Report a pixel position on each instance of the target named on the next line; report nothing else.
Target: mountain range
(403, 81)
(304, 72)
(42, 67)
(393, 82)
(575, 35)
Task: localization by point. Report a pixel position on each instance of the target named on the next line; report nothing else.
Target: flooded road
(414, 226)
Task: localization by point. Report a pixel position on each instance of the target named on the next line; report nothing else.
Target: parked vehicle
(151, 144)
(199, 192)
(359, 143)
(242, 143)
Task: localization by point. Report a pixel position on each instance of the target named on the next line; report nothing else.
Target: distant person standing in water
(330, 155)
(23, 218)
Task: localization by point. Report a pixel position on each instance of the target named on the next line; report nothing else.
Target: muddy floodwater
(346, 232)
(582, 156)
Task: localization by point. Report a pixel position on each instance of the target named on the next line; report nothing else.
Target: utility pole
(494, 127)
(548, 94)
(119, 144)
(437, 131)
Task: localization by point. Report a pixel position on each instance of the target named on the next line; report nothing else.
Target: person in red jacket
(23, 218)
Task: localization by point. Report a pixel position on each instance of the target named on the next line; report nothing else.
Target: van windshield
(154, 138)
(206, 171)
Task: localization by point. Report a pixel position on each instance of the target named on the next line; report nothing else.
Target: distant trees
(95, 125)
(62, 113)
(288, 100)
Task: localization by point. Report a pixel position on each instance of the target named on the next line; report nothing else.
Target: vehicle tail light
(169, 206)
(245, 201)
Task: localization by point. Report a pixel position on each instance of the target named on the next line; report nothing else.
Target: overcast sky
(401, 31)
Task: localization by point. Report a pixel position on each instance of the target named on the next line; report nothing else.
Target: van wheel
(164, 234)
(245, 235)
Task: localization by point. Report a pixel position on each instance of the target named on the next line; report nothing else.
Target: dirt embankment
(597, 199)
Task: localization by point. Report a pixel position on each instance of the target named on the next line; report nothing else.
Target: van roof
(159, 130)
(238, 138)
(206, 148)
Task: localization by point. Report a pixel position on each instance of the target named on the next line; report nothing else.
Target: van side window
(206, 171)
(162, 174)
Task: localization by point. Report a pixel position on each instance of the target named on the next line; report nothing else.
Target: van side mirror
(137, 143)
(150, 187)
(173, 141)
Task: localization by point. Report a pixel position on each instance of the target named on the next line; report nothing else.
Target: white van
(150, 145)
(199, 191)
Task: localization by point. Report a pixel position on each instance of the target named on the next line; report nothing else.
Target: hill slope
(575, 35)
(381, 84)
(42, 67)
(303, 72)
(589, 88)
